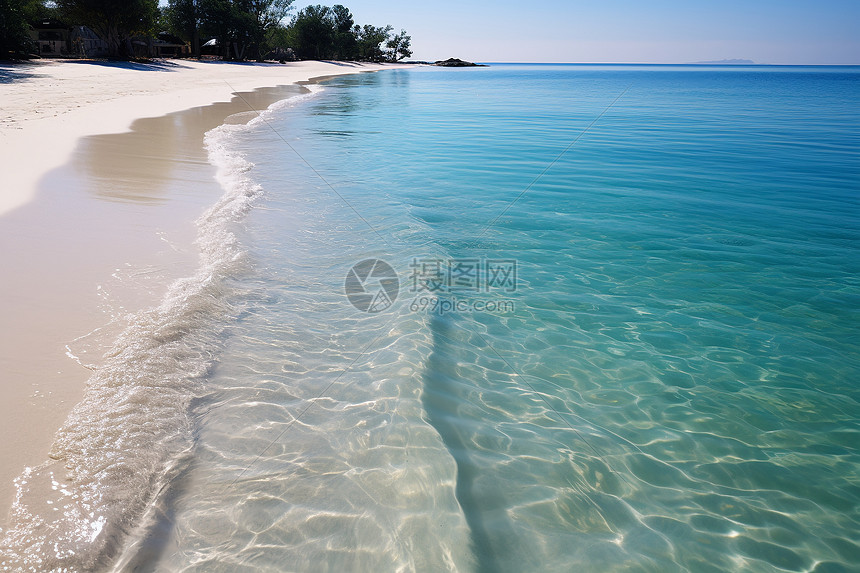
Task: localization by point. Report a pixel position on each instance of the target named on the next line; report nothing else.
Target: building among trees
(232, 29)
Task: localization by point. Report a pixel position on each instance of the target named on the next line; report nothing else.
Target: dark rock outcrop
(458, 63)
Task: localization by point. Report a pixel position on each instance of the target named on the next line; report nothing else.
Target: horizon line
(711, 64)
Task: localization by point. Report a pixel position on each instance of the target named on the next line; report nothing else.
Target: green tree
(14, 30)
(15, 19)
(344, 41)
(370, 39)
(263, 16)
(280, 39)
(35, 10)
(185, 18)
(319, 32)
(313, 33)
(399, 46)
(116, 21)
(219, 21)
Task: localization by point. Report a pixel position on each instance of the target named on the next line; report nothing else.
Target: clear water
(670, 384)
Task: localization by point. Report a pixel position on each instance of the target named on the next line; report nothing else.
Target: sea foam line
(132, 429)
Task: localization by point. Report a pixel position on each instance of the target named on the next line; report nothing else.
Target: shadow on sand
(342, 64)
(11, 72)
(151, 65)
(14, 72)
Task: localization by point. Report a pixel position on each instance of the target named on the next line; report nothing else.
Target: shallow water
(654, 370)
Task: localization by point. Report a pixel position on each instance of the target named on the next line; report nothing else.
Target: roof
(170, 38)
(49, 24)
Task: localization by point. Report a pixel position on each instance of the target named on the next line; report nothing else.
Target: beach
(80, 206)
(49, 105)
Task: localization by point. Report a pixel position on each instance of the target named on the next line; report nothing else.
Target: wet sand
(104, 234)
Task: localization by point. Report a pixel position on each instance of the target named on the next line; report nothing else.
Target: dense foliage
(245, 29)
(116, 21)
(15, 16)
(322, 33)
(235, 29)
(240, 27)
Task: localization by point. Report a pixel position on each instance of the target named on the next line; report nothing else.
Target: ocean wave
(132, 430)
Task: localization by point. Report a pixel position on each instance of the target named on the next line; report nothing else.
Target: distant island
(449, 63)
(726, 62)
(458, 63)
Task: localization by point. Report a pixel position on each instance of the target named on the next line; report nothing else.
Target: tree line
(15, 18)
(241, 29)
(322, 33)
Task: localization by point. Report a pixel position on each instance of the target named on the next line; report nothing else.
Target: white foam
(132, 430)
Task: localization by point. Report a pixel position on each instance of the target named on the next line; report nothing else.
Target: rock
(458, 63)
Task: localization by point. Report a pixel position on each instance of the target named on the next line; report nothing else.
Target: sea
(555, 318)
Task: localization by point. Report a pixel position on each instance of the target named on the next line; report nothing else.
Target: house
(162, 46)
(54, 39)
(86, 44)
(168, 46)
(51, 38)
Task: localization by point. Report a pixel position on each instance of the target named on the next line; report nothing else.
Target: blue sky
(647, 31)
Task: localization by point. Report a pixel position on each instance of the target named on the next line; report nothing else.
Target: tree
(34, 10)
(116, 21)
(15, 18)
(313, 33)
(399, 46)
(223, 20)
(185, 18)
(370, 38)
(14, 31)
(265, 15)
(344, 42)
(319, 32)
(279, 40)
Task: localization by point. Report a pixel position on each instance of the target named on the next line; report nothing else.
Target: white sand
(53, 104)
(54, 263)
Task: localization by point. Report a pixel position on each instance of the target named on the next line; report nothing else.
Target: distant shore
(79, 208)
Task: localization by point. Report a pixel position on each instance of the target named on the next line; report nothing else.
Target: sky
(622, 31)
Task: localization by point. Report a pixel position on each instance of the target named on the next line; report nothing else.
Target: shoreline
(45, 113)
(103, 222)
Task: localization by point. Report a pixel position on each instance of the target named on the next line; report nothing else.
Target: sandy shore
(45, 107)
(103, 175)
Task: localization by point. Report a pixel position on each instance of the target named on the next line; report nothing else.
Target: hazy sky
(651, 31)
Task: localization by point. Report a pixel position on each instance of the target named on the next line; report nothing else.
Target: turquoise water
(675, 388)
(654, 370)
